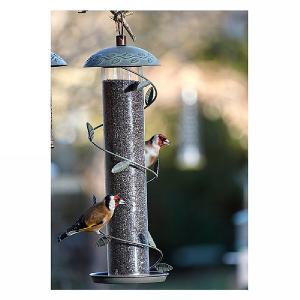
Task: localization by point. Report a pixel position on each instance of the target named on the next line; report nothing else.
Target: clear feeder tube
(123, 110)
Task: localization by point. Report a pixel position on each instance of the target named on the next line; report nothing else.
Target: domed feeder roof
(122, 56)
(57, 61)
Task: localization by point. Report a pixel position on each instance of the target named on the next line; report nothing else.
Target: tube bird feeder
(56, 61)
(123, 110)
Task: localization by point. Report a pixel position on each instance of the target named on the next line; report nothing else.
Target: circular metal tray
(153, 277)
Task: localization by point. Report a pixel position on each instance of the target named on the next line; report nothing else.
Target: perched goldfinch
(152, 148)
(95, 218)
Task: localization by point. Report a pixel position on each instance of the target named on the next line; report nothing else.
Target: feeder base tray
(153, 277)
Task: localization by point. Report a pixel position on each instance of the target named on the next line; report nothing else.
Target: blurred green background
(198, 207)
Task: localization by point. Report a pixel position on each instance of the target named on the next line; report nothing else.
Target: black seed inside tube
(123, 110)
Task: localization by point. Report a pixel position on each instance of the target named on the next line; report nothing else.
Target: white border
(273, 149)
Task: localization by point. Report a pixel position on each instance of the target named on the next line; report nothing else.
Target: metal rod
(124, 134)
(51, 125)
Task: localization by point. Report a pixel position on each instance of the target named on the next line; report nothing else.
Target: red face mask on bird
(152, 148)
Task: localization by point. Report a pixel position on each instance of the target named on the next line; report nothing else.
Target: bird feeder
(56, 61)
(123, 113)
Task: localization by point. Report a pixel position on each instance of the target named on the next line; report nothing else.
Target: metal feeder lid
(57, 61)
(122, 56)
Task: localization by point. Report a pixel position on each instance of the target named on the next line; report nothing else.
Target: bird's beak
(122, 201)
(166, 142)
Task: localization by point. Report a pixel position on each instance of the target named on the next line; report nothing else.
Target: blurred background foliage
(198, 215)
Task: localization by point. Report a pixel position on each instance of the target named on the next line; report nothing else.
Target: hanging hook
(121, 23)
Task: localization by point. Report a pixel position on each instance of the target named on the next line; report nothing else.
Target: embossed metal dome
(122, 56)
(57, 61)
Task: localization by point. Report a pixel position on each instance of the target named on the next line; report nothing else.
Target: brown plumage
(95, 218)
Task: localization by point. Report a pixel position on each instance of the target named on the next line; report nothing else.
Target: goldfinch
(95, 218)
(152, 148)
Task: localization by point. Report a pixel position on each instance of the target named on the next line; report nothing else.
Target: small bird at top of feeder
(95, 218)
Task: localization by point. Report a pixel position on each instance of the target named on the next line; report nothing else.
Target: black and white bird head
(159, 140)
(112, 201)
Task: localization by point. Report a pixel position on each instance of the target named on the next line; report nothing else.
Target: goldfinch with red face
(95, 218)
(152, 148)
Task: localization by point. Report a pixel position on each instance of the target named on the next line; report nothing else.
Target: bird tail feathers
(77, 227)
(65, 235)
